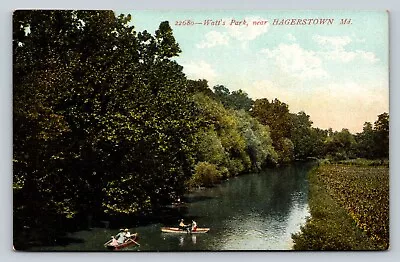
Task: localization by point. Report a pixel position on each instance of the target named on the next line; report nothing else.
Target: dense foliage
(231, 142)
(102, 119)
(373, 142)
(106, 122)
(349, 207)
(275, 114)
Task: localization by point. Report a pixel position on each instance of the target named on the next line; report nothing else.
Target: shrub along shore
(349, 205)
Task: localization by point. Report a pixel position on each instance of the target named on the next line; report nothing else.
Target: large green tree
(301, 135)
(275, 114)
(258, 141)
(103, 121)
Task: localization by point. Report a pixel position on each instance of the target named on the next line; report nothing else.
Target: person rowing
(183, 226)
(127, 234)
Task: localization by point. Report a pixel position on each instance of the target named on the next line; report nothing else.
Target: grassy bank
(349, 207)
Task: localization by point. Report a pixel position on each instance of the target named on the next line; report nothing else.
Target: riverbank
(349, 206)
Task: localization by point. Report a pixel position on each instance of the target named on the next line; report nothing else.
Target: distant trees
(373, 142)
(381, 128)
(340, 145)
(235, 100)
(294, 138)
(318, 136)
(366, 141)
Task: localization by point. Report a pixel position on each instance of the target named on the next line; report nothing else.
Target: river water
(256, 211)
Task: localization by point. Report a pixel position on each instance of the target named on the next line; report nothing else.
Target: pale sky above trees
(336, 73)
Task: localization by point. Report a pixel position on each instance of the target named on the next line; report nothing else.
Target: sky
(338, 73)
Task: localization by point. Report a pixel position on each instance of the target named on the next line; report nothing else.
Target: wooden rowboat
(178, 230)
(129, 242)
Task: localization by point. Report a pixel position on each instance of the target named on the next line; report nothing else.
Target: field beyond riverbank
(349, 206)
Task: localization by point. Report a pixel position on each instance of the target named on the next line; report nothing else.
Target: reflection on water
(250, 212)
(257, 211)
(190, 239)
(181, 239)
(194, 239)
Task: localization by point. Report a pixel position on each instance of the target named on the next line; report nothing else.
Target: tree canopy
(102, 118)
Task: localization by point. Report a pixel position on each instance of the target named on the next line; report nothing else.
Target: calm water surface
(251, 212)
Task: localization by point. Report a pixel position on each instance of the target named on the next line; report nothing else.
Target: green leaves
(205, 174)
(235, 100)
(230, 140)
(101, 107)
(166, 44)
(275, 114)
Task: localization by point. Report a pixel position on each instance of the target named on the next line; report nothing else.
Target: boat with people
(123, 239)
(183, 228)
(180, 230)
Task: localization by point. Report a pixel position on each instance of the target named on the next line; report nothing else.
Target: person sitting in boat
(127, 234)
(194, 225)
(120, 236)
(183, 226)
(114, 242)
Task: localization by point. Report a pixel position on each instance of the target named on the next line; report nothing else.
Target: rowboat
(129, 242)
(178, 230)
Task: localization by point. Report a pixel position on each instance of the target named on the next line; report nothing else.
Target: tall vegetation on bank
(349, 205)
(102, 119)
(105, 122)
(230, 142)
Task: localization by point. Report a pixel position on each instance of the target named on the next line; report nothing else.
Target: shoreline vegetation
(349, 206)
(107, 126)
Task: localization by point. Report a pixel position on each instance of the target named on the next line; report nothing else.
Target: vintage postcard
(200, 130)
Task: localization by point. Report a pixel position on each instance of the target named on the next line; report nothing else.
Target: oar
(108, 242)
(135, 235)
(135, 242)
